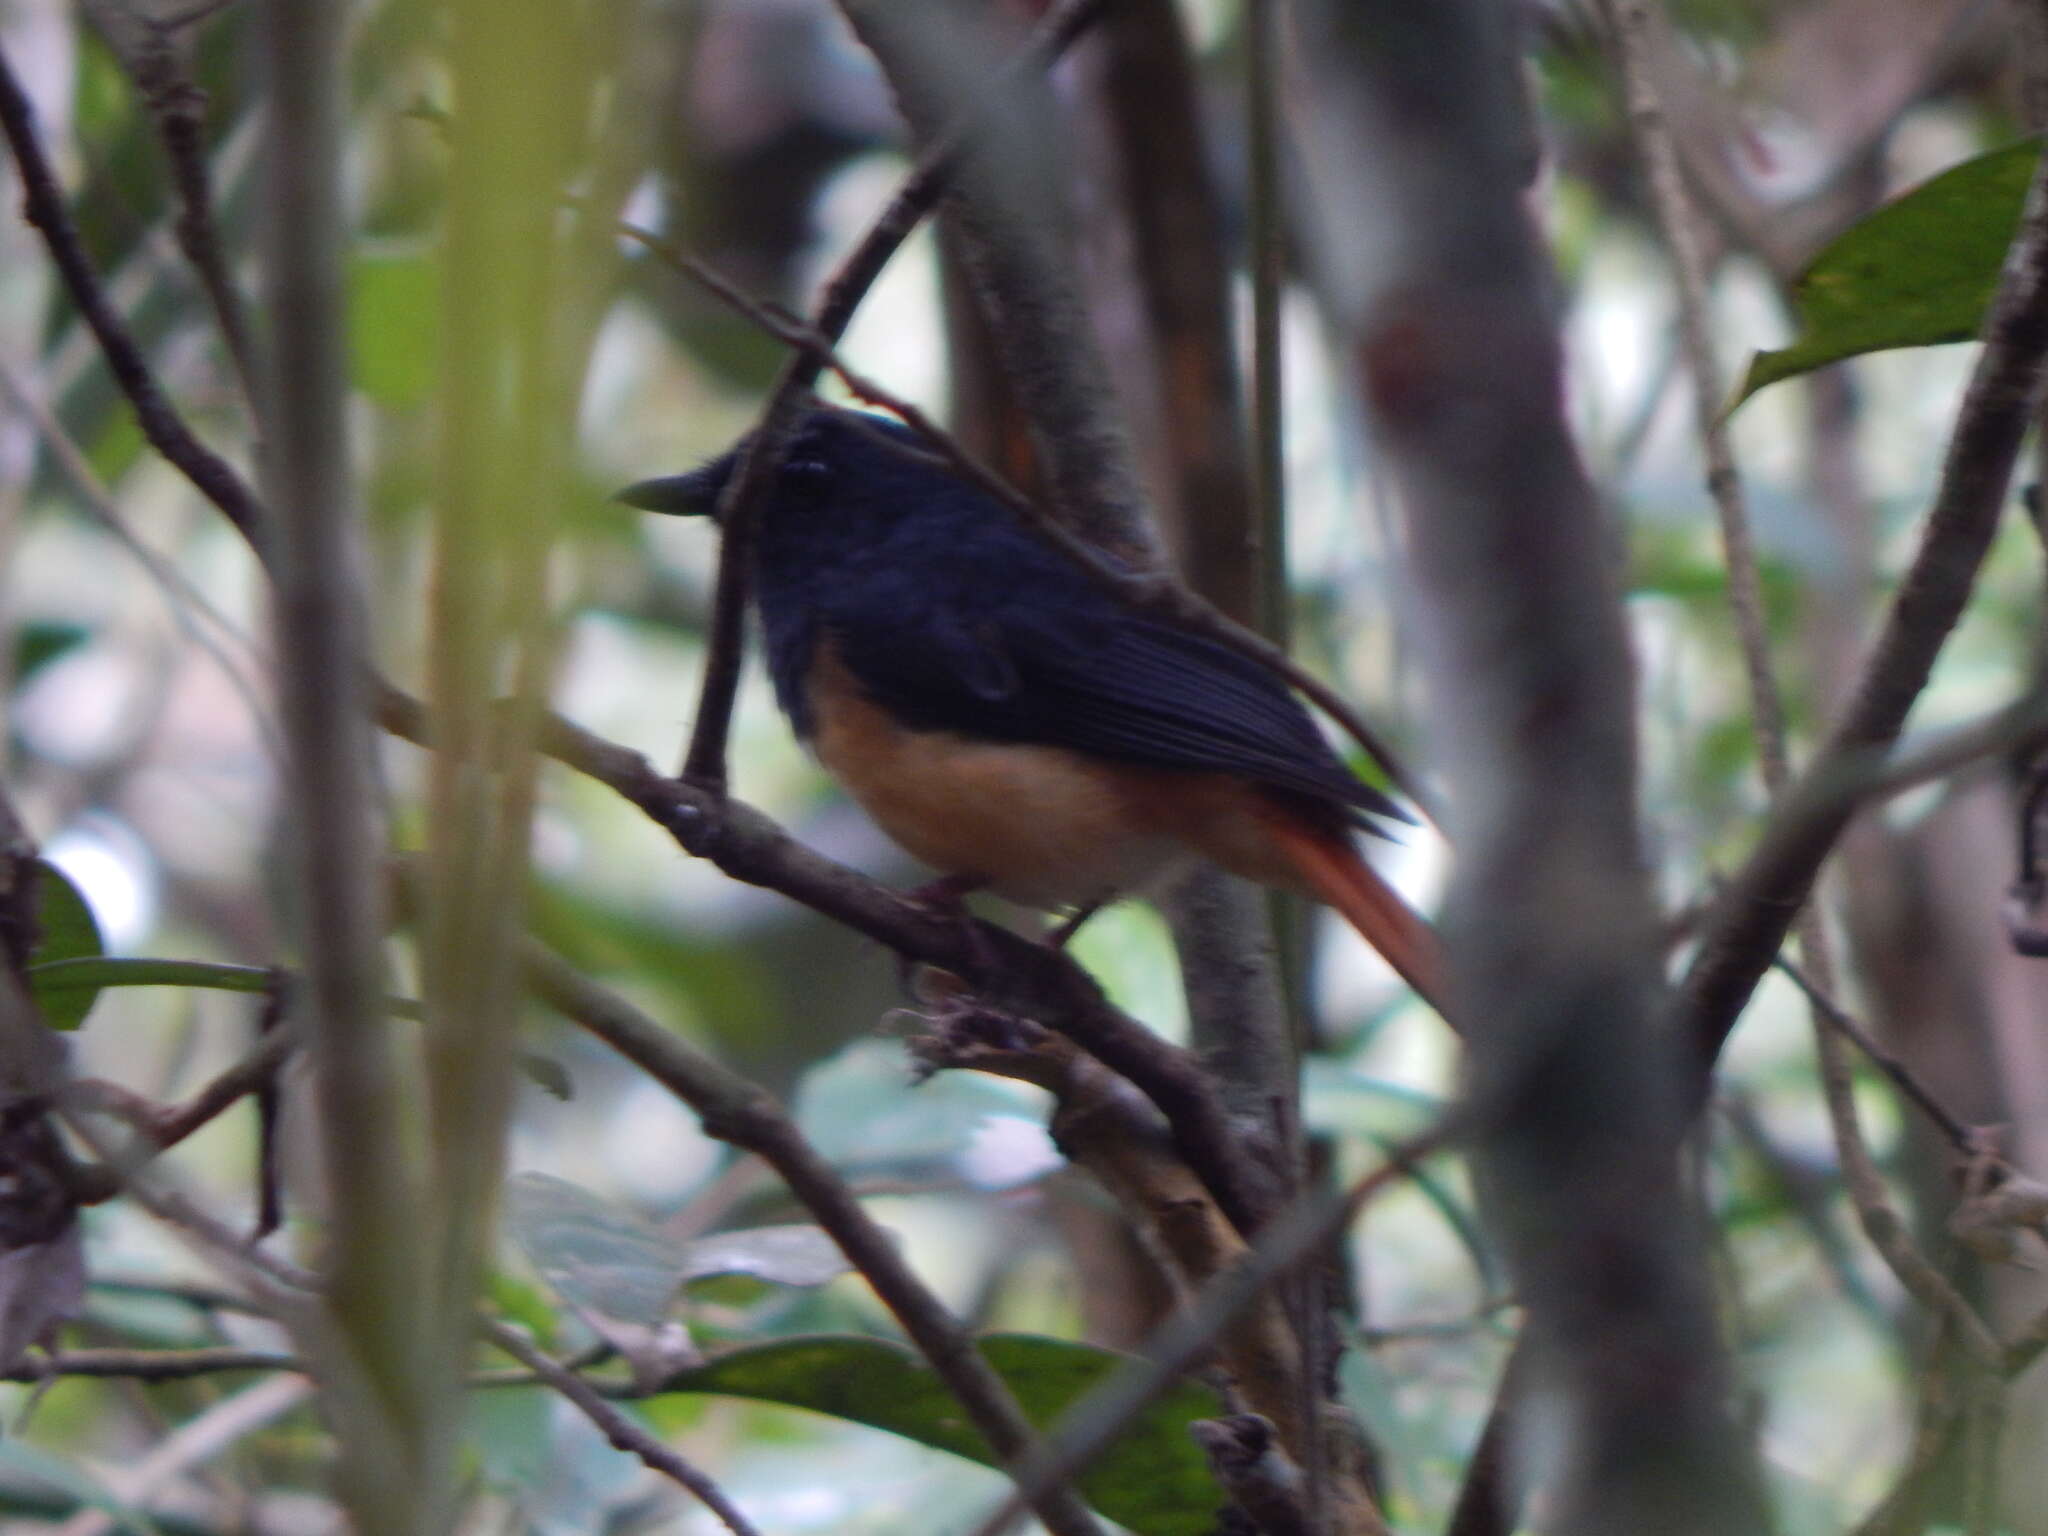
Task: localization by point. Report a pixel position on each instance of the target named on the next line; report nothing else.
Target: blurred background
(141, 734)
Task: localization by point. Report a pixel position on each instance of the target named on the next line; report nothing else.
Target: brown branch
(1967, 1141)
(737, 1111)
(177, 106)
(151, 1364)
(618, 1428)
(43, 204)
(1631, 21)
(1104, 1127)
(1008, 969)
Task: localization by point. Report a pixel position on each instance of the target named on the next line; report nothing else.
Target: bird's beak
(691, 495)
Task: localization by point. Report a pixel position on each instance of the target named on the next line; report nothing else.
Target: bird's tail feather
(1333, 870)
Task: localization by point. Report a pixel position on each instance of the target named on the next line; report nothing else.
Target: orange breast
(1040, 825)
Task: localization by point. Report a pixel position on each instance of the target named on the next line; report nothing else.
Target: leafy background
(140, 743)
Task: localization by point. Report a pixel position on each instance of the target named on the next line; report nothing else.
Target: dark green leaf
(42, 641)
(69, 933)
(1154, 1480)
(1917, 272)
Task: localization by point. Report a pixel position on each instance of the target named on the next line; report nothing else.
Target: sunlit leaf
(1154, 1480)
(617, 1269)
(69, 933)
(1917, 272)
(796, 1254)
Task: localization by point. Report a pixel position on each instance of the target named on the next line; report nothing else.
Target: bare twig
(186, 602)
(1966, 1141)
(215, 478)
(178, 108)
(153, 1364)
(1630, 21)
(618, 1428)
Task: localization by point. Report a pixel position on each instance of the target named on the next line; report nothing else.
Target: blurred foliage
(756, 135)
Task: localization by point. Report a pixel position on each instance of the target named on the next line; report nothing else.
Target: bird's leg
(1057, 936)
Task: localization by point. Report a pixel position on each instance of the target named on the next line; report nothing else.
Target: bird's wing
(1059, 668)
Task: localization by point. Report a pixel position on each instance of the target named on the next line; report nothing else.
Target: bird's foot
(946, 897)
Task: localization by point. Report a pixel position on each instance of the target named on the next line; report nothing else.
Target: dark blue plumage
(954, 617)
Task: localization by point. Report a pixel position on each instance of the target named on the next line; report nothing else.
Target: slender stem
(378, 1284)
(618, 1427)
(43, 202)
(735, 1110)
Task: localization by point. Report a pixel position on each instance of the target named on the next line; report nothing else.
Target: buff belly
(1038, 825)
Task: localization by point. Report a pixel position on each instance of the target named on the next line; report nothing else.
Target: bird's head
(849, 460)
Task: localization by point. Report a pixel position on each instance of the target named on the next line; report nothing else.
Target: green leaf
(1917, 272)
(69, 933)
(65, 1477)
(67, 989)
(40, 642)
(394, 308)
(617, 1269)
(1154, 1480)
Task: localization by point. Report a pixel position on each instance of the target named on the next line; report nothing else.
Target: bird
(1010, 719)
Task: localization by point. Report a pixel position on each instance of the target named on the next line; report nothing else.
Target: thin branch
(737, 1111)
(185, 601)
(1008, 969)
(177, 106)
(618, 1427)
(43, 203)
(1967, 1141)
(151, 1364)
(1631, 21)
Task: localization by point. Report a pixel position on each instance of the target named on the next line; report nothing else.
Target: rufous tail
(1339, 878)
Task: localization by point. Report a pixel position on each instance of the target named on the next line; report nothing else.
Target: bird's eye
(805, 476)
